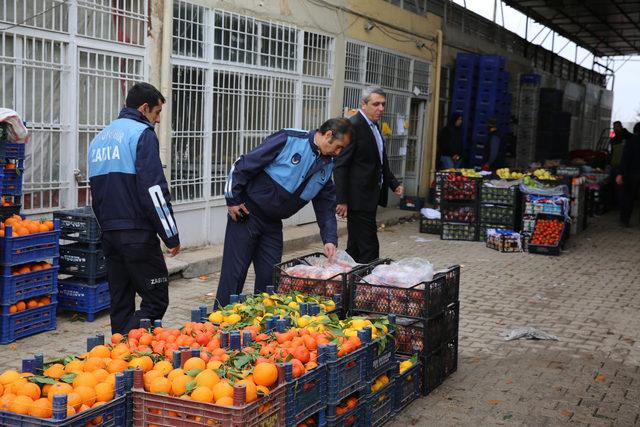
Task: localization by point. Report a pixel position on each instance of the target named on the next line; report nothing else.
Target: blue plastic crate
(356, 417)
(12, 182)
(530, 79)
(5, 309)
(27, 322)
(83, 260)
(381, 356)
(112, 413)
(306, 394)
(407, 385)
(33, 247)
(75, 295)
(79, 225)
(17, 287)
(14, 151)
(346, 374)
(381, 402)
(316, 420)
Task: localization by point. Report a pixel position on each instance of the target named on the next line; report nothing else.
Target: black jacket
(358, 169)
(495, 159)
(450, 139)
(630, 162)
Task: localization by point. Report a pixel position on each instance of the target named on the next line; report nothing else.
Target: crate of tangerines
(24, 240)
(548, 234)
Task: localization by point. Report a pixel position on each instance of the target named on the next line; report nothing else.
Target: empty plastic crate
(79, 225)
(84, 260)
(75, 295)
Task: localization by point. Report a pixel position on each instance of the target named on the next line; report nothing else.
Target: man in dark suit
(362, 177)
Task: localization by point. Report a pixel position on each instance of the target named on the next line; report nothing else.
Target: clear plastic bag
(321, 267)
(405, 273)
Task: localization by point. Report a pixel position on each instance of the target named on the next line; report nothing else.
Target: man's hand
(174, 251)
(619, 180)
(399, 191)
(456, 157)
(341, 210)
(330, 251)
(234, 211)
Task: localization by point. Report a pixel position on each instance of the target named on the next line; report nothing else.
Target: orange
(55, 371)
(100, 375)
(251, 390)
(93, 363)
(194, 363)
(29, 389)
(179, 384)
(13, 308)
(116, 338)
(74, 400)
(225, 401)
(49, 224)
(41, 408)
(163, 366)
(20, 231)
(207, 378)
(104, 392)
(117, 365)
(6, 399)
(222, 389)
(150, 376)
(32, 303)
(70, 411)
(265, 374)
(60, 388)
(88, 394)
(100, 351)
(21, 405)
(174, 373)
(145, 363)
(7, 377)
(214, 364)
(76, 365)
(20, 305)
(84, 408)
(33, 227)
(84, 379)
(202, 394)
(42, 228)
(262, 390)
(160, 385)
(45, 300)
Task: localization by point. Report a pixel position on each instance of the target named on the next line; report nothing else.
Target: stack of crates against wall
(528, 101)
(503, 104)
(578, 205)
(29, 264)
(85, 288)
(11, 171)
(425, 324)
(489, 67)
(463, 94)
(499, 208)
(459, 207)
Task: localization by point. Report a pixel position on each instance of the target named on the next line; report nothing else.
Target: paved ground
(589, 297)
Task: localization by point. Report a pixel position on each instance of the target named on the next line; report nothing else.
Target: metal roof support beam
(626, 15)
(606, 24)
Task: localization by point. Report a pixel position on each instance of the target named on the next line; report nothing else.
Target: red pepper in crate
(547, 232)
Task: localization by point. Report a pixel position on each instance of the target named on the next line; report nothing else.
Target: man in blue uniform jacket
(131, 201)
(274, 181)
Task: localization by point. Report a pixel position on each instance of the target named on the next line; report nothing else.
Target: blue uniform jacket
(281, 175)
(128, 187)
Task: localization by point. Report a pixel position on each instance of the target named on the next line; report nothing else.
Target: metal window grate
(121, 21)
(235, 38)
(354, 61)
(317, 57)
(421, 74)
(352, 97)
(104, 80)
(278, 46)
(189, 29)
(49, 15)
(315, 105)
(187, 137)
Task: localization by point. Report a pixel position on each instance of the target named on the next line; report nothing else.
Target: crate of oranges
(23, 240)
(61, 395)
(27, 317)
(12, 178)
(28, 280)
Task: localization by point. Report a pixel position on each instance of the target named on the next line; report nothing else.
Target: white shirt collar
(366, 118)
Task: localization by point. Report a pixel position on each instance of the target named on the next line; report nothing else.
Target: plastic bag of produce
(430, 213)
(405, 273)
(320, 267)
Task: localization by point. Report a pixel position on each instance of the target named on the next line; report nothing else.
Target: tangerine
(202, 394)
(21, 405)
(265, 374)
(160, 385)
(41, 408)
(104, 392)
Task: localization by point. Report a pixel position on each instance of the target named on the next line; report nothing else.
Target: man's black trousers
(362, 243)
(630, 187)
(135, 265)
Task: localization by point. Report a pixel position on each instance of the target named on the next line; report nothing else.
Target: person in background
(132, 203)
(363, 177)
(494, 153)
(450, 143)
(616, 147)
(270, 183)
(629, 175)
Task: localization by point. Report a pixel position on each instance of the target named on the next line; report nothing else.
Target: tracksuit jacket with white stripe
(128, 187)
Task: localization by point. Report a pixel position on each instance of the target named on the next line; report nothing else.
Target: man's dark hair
(141, 93)
(636, 128)
(617, 122)
(338, 126)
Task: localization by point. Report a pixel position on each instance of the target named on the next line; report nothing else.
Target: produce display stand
(499, 208)
(459, 208)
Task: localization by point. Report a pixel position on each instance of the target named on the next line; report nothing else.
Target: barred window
(49, 15)
(318, 58)
(315, 106)
(235, 38)
(121, 21)
(188, 30)
(354, 62)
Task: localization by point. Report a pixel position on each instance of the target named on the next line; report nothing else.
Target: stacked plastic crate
(499, 208)
(503, 104)
(459, 208)
(82, 258)
(463, 96)
(490, 68)
(426, 324)
(527, 118)
(12, 167)
(554, 126)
